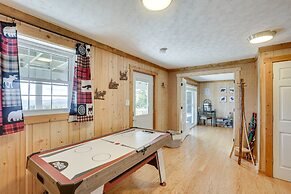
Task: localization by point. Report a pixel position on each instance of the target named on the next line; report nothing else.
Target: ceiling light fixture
(261, 37)
(156, 5)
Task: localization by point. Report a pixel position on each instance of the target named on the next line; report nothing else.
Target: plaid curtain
(81, 104)
(11, 117)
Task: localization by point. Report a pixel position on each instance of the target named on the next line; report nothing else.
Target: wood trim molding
(275, 47)
(214, 65)
(191, 81)
(268, 62)
(45, 118)
(133, 69)
(207, 71)
(37, 22)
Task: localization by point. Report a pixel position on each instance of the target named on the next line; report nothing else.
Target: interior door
(183, 106)
(282, 120)
(195, 106)
(143, 97)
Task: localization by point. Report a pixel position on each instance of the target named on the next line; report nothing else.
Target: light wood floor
(202, 165)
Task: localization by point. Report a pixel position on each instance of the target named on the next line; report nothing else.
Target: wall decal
(99, 95)
(123, 75)
(113, 84)
(163, 85)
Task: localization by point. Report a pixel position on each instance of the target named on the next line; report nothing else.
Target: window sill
(45, 118)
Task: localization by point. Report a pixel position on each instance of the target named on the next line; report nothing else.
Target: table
(96, 165)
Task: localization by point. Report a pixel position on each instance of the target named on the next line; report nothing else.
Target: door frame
(237, 77)
(268, 93)
(133, 69)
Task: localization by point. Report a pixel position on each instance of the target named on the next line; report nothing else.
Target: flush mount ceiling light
(156, 5)
(261, 37)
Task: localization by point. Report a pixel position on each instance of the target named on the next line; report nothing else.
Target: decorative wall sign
(223, 99)
(222, 90)
(231, 99)
(113, 84)
(99, 95)
(231, 90)
(123, 75)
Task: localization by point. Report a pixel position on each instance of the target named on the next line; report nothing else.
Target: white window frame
(45, 47)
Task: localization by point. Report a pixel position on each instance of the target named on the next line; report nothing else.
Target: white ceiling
(196, 32)
(213, 77)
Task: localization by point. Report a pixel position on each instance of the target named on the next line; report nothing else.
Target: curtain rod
(48, 30)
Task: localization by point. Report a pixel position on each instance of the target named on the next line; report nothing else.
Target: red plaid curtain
(81, 104)
(11, 117)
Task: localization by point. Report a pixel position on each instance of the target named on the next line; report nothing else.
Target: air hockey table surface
(96, 165)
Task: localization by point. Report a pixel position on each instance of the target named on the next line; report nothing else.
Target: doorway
(224, 108)
(143, 100)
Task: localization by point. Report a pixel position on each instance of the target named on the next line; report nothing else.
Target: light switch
(127, 102)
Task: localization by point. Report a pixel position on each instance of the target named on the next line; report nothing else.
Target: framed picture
(231, 90)
(223, 99)
(222, 90)
(231, 99)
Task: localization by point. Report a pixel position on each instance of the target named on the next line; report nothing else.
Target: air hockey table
(96, 165)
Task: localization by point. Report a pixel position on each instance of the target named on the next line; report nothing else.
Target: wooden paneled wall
(267, 52)
(222, 109)
(45, 132)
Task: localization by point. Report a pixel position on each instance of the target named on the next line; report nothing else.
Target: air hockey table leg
(161, 166)
(99, 190)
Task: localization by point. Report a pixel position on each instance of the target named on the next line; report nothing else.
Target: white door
(195, 106)
(282, 120)
(183, 107)
(143, 97)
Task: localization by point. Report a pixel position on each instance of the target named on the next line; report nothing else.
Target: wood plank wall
(272, 51)
(45, 132)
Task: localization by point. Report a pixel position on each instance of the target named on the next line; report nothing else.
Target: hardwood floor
(202, 165)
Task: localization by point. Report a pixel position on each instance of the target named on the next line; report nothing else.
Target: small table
(96, 165)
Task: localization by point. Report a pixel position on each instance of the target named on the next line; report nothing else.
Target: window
(45, 76)
(141, 98)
